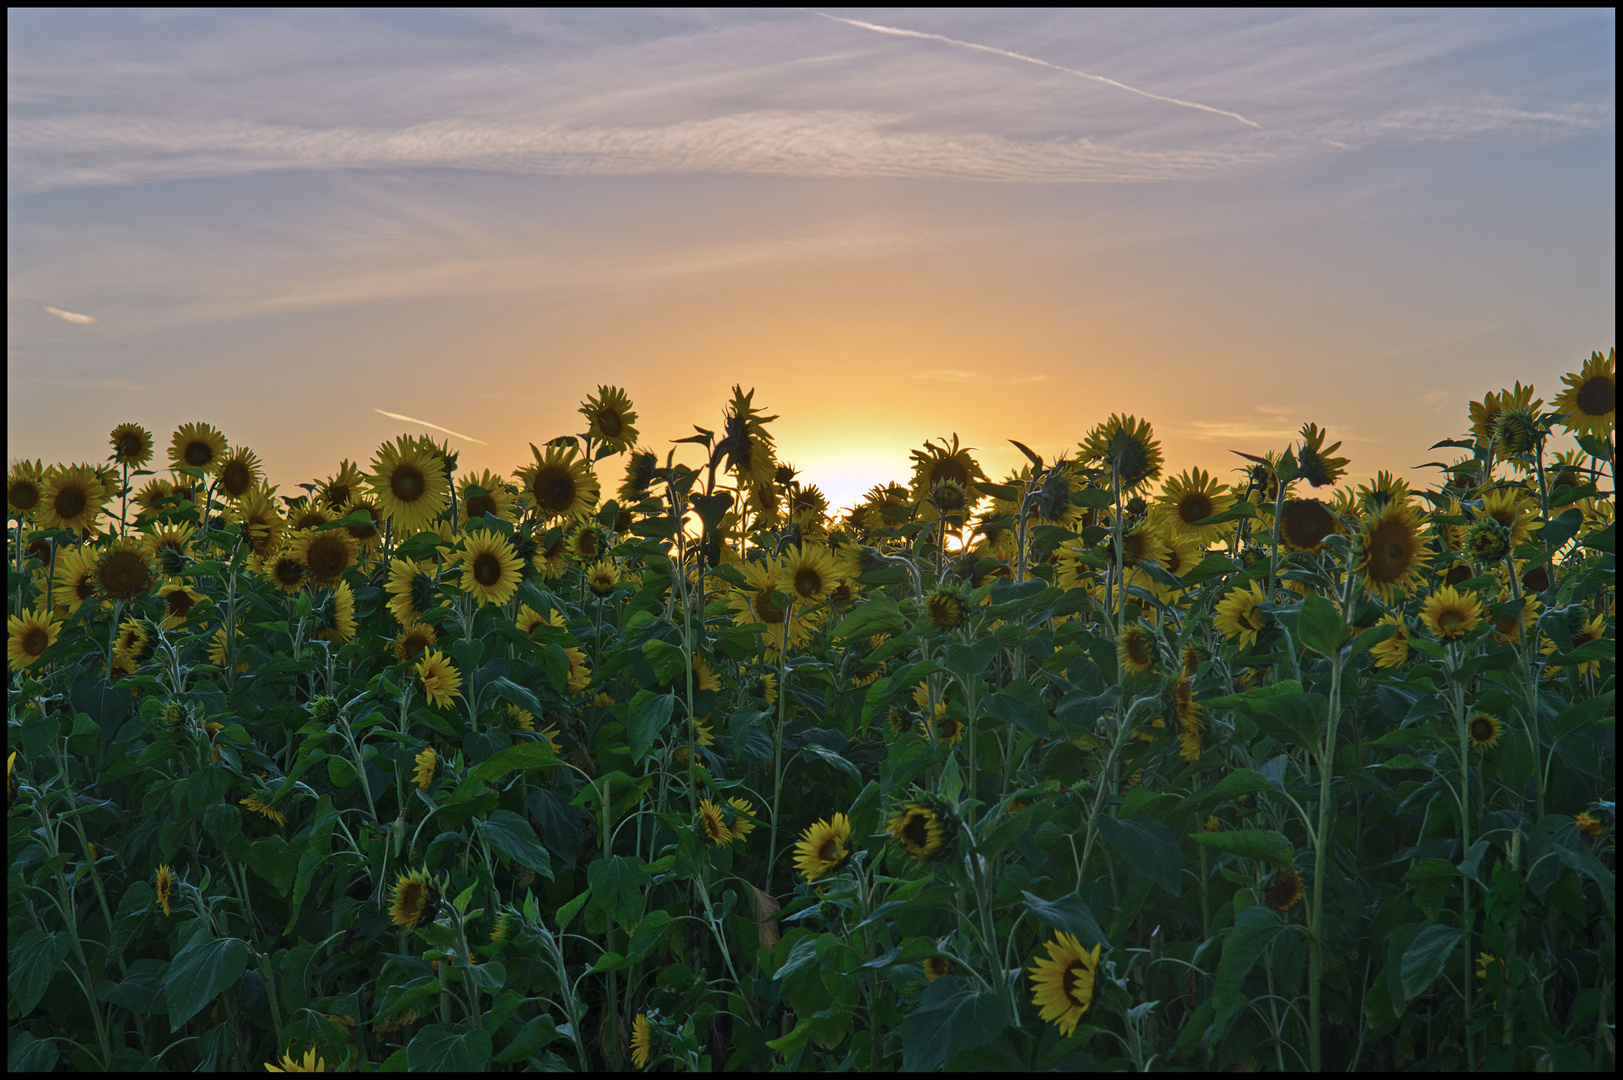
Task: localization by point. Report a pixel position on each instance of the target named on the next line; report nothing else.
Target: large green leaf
(1254, 928)
(950, 1018)
(617, 884)
(878, 615)
(445, 1048)
(1265, 844)
(1426, 957)
(1320, 626)
(1021, 706)
(510, 835)
(530, 755)
(648, 715)
(36, 956)
(201, 972)
(1070, 914)
(1148, 846)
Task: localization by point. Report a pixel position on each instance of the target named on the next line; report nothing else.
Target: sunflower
(602, 577)
(335, 614)
(1487, 542)
(1190, 497)
(1237, 614)
(823, 847)
(1508, 630)
(308, 516)
(1589, 825)
(1142, 541)
(341, 487)
(130, 646)
(580, 676)
(490, 568)
(427, 763)
(934, 464)
(754, 604)
(25, 489)
(73, 499)
(265, 810)
(639, 478)
(1450, 614)
(1304, 524)
(309, 1063)
(1590, 398)
(642, 1041)
(1593, 630)
(440, 678)
(197, 446)
(255, 512)
(935, 967)
(412, 590)
(558, 484)
(28, 636)
(807, 573)
(1513, 510)
(922, 829)
(408, 479)
(496, 499)
(713, 825)
(745, 442)
(1127, 447)
(1135, 649)
(704, 678)
(1483, 730)
(285, 570)
(123, 572)
(1317, 465)
(132, 445)
(945, 607)
(1284, 890)
(367, 536)
(157, 495)
(808, 508)
(239, 473)
(1394, 651)
(1062, 984)
(1485, 413)
(586, 542)
(611, 419)
(166, 889)
(216, 653)
(415, 899)
(1395, 557)
(178, 599)
(1187, 712)
(325, 554)
(947, 729)
(739, 812)
(413, 640)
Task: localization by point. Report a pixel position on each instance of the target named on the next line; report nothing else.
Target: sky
(894, 224)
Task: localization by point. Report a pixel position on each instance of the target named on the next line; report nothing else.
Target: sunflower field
(1090, 767)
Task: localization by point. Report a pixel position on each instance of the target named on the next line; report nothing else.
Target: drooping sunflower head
(945, 607)
(1126, 446)
(558, 484)
(166, 889)
(1239, 614)
(73, 499)
(642, 1041)
(1395, 558)
(808, 508)
(745, 443)
(823, 847)
(1394, 651)
(610, 417)
(639, 477)
(334, 612)
(197, 446)
(1315, 461)
(1062, 984)
(935, 967)
(713, 824)
(1284, 890)
(1135, 649)
(1485, 413)
(123, 572)
(1589, 401)
(341, 487)
(410, 483)
(490, 567)
(1516, 431)
(1449, 614)
(261, 524)
(239, 473)
(926, 827)
(439, 677)
(427, 766)
(948, 462)
(132, 445)
(326, 554)
(415, 899)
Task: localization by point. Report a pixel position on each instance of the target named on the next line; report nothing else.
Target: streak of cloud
(436, 427)
(898, 32)
(946, 375)
(70, 316)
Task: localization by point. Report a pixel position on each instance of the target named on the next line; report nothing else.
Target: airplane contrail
(898, 32)
(436, 427)
(70, 316)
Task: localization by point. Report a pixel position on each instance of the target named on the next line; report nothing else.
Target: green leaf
(1148, 846)
(878, 615)
(445, 1048)
(510, 835)
(1254, 928)
(617, 884)
(530, 755)
(531, 1037)
(950, 1018)
(522, 696)
(28, 1054)
(201, 972)
(967, 661)
(35, 958)
(1426, 957)
(1239, 510)
(1264, 844)
(1070, 914)
(1240, 782)
(138, 992)
(1021, 706)
(1320, 626)
(1368, 639)
(667, 660)
(648, 715)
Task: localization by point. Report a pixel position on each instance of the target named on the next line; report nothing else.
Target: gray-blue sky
(282, 221)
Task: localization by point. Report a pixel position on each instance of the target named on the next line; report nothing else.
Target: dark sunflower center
(124, 573)
(945, 612)
(365, 532)
(1132, 549)
(766, 610)
(129, 445)
(327, 558)
(1536, 579)
(916, 832)
(586, 544)
(608, 421)
(1450, 621)
(1195, 506)
(288, 572)
(479, 505)
(407, 483)
(85, 586)
(1074, 982)
(70, 503)
(555, 489)
(1597, 396)
(808, 582)
(1482, 729)
(1138, 648)
(34, 640)
(487, 569)
(949, 469)
(23, 495)
(1457, 574)
(1307, 522)
(198, 453)
(236, 478)
(827, 849)
(422, 592)
(337, 495)
(180, 602)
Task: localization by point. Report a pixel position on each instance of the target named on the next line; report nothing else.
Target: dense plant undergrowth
(1089, 768)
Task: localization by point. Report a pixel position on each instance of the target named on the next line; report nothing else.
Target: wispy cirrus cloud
(946, 375)
(426, 424)
(70, 316)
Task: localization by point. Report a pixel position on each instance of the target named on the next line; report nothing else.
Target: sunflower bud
(1515, 432)
(173, 715)
(1488, 542)
(949, 496)
(323, 708)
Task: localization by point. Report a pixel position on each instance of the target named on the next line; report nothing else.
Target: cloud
(102, 150)
(947, 375)
(426, 424)
(123, 386)
(1252, 431)
(898, 32)
(1479, 119)
(1026, 379)
(1438, 400)
(70, 316)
